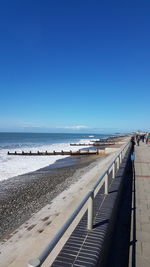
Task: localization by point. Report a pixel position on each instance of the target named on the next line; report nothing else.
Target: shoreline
(33, 235)
(24, 195)
(12, 166)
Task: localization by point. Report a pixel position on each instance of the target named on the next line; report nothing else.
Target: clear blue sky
(74, 65)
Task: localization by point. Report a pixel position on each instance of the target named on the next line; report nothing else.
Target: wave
(11, 166)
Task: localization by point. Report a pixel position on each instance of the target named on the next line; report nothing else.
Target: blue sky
(74, 65)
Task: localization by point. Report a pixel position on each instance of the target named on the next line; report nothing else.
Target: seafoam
(11, 166)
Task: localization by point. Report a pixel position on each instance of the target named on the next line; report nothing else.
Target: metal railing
(89, 197)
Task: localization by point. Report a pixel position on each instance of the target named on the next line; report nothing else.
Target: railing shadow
(101, 223)
(133, 210)
(121, 241)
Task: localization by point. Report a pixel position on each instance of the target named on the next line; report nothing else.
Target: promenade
(140, 233)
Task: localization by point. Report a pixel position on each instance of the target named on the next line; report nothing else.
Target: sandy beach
(35, 205)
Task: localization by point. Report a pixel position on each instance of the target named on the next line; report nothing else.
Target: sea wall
(91, 248)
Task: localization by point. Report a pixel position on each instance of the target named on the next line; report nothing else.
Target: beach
(35, 205)
(24, 195)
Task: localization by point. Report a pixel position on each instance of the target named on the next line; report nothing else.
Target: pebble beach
(24, 195)
(34, 205)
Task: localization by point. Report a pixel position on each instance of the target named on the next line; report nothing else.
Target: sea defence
(88, 245)
(90, 144)
(100, 146)
(106, 148)
(56, 153)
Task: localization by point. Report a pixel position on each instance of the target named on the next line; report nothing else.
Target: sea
(11, 166)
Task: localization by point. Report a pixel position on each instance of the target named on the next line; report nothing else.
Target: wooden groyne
(56, 153)
(102, 140)
(89, 144)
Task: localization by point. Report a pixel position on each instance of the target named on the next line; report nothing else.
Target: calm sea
(11, 166)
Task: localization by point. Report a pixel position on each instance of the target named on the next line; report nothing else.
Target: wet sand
(24, 195)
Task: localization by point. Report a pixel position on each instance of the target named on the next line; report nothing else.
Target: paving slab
(140, 229)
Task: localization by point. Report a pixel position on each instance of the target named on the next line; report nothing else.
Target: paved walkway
(141, 210)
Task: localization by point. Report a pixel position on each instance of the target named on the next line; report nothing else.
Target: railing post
(123, 152)
(113, 171)
(118, 163)
(120, 157)
(119, 160)
(106, 183)
(90, 211)
(34, 263)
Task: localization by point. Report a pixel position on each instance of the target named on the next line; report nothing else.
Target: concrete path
(140, 235)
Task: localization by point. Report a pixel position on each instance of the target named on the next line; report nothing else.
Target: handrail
(65, 226)
(37, 262)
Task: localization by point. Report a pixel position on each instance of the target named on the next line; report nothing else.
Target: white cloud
(77, 127)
